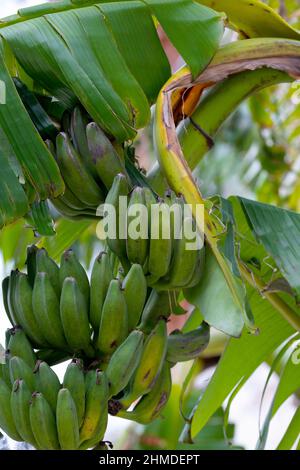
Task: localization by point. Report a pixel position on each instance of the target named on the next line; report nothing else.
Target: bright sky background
(244, 411)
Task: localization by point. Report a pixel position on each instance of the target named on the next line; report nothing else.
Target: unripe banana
(96, 410)
(7, 423)
(124, 362)
(100, 279)
(106, 160)
(19, 346)
(71, 267)
(11, 297)
(5, 290)
(31, 263)
(135, 292)
(78, 125)
(67, 421)
(187, 346)
(43, 423)
(151, 362)
(76, 175)
(46, 310)
(151, 405)
(114, 320)
(47, 383)
(20, 402)
(158, 306)
(74, 317)
(199, 268)
(47, 265)
(119, 188)
(183, 263)
(5, 370)
(24, 310)
(74, 381)
(137, 246)
(18, 369)
(161, 243)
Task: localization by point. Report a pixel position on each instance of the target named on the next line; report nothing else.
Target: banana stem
(285, 310)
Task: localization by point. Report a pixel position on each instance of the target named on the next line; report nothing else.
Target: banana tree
(78, 75)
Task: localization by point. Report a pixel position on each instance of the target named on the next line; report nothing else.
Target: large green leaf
(278, 230)
(241, 358)
(214, 300)
(64, 52)
(292, 433)
(38, 165)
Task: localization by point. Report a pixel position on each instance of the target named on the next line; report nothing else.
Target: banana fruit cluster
(88, 163)
(114, 330)
(162, 250)
(36, 408)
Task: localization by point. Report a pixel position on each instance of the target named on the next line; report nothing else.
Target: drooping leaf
(292, 433)
(241, 358)
(67, 233)
(278, 230)
(214, 300)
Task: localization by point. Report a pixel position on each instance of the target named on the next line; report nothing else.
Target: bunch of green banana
(158, 235)
(51, 304)
(88, 163)
(37, 409)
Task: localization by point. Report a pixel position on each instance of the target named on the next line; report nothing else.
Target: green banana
(124, 361)
(74, 317)
(24, 310)
(158, 306)
(11, 295)
(47, 265)
(135, 292)
(74, 172)
(114, 320)
(67, 421)
(46, 310)
(71, 201)
(18, 369)
(71, 267)
(5, 290)
(96, 410)
(20, 402)
(7, 423)
(151, 362)
(47, 383)
(137, 246)
(105, 159)
(74, 381)
(31, 263)
(43, 423)
(20, 346)
(100, 279)
(79, 122)
(187, 346)
(5, 370)
(183, 263)
(151, 405)
(119, 188)
(160, 252)
(199, 268)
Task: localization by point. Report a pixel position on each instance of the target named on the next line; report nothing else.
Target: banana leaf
(86, 51)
